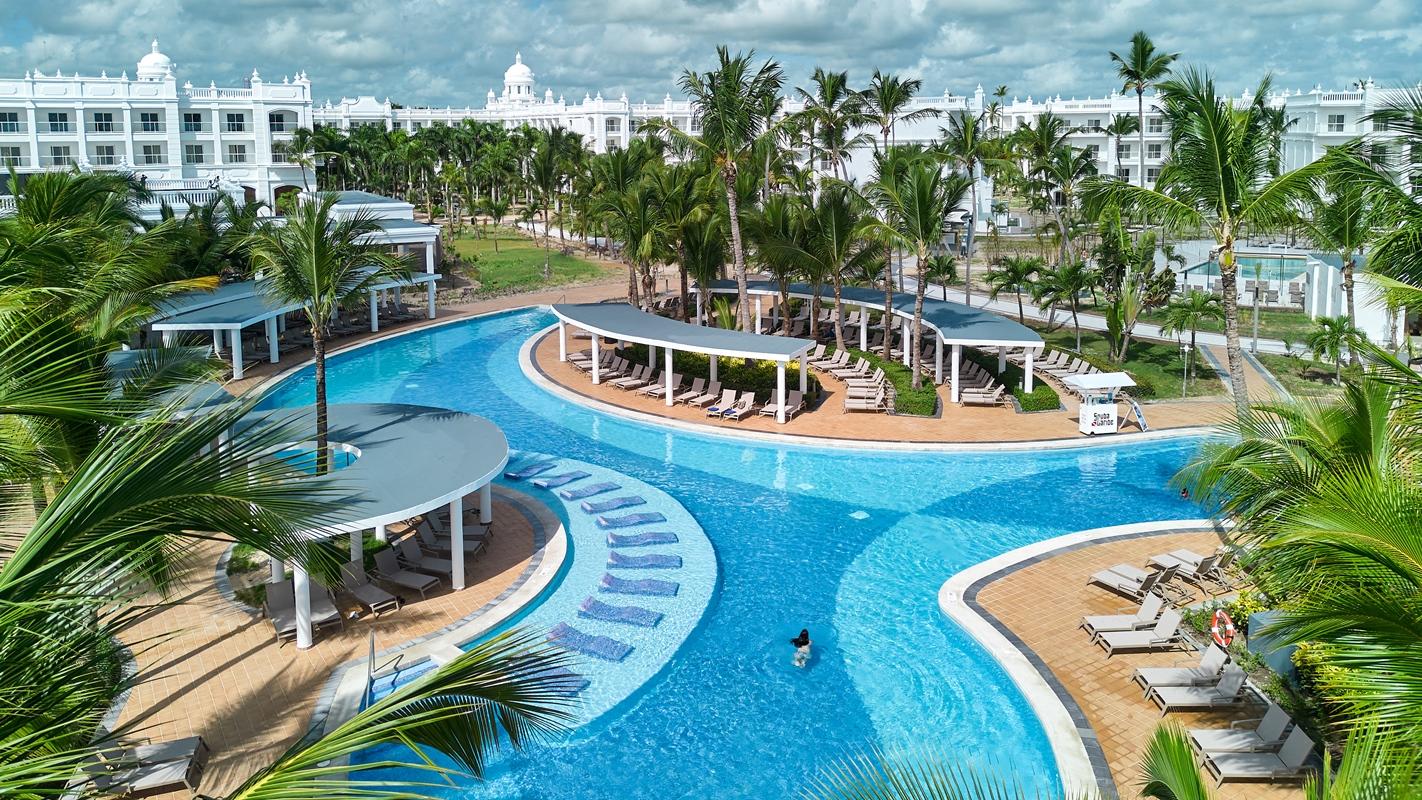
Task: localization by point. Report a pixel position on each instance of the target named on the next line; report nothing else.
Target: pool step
(443, 653)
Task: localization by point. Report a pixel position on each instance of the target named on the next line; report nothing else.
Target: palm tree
(497, 209)
(941, 268)
(1333, 337)
(1066, 283)
(1120, 127)
(1014, 273)
(916, 207)
(322, 262)
(963, 144)
(730, 107)
(1216, 177)
(1139, 69)
(831, 113)
(703, 245)
(1188, 313)
(778, 235)
(1338, 223)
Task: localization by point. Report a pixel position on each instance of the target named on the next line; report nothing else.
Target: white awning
(1099, 381)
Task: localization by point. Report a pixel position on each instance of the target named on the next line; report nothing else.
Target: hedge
(743, 375)
(920, 402)
(1144, 388)
(1042, 397)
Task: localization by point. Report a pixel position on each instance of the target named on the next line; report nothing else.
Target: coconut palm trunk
(1350, 264)
(1229, 282)
(920, 288)
(838, 310)
(972, 237)
(323, 424)
(738, 255)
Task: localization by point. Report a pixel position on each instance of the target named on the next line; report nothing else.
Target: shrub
(244, 559)
(1042, 397)
(253, 596)
(740, 374)
(921, 402)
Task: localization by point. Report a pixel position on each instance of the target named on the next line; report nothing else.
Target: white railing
(1341, 97)
(7, 205)
(218, 94)
(178, 183)
(192, 197)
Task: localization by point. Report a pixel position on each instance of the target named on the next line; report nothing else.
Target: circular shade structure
(404, 460)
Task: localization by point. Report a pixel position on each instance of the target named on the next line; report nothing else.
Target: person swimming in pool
(801, 644)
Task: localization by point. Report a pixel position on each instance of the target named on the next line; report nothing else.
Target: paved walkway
(210, 668)
(1122, 718)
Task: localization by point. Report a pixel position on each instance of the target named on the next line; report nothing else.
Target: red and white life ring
(1223, 629)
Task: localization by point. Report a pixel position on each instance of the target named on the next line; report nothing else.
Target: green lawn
(1155, 366)
(1291, 326)
(517, 265)
(1303, 377)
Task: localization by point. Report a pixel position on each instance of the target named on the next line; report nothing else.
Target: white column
(1001, 360)
(864, 329)
(486, 504)
(456, 543)
(357, 542)
(281, 323)
(907, 343)
(780, 391)
(668, 371)
(429, 257)
(1027, 369)
(167, 338)
(757, 314)
(216, 343)
(713, 367)
(957, 359)
(430, 300)
(651, 355)
(804, 375)
(303, 606)
(273, 352)
(278, 570)
(380, 534)
(562, 340)
(938, 360)
(374, 313)
(237, 355)
(597, 359)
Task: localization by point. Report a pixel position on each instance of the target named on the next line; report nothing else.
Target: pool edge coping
(1081, 767)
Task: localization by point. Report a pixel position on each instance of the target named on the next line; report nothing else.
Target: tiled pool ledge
(535, 373)
(1080, 761)
(344, 692)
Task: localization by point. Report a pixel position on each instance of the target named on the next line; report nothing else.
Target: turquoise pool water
(1256, 268)
(853, 545)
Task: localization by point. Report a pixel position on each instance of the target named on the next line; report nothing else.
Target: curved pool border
(1081, 763)
(535, 373)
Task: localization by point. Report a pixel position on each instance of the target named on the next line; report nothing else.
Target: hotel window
(153, 154)
(10, 122)
(1335, 123)
(103, 122)
(236, 153)
(1123, 150)
(1153, 174)
(58, 122)
(614, 125)
(1124, 173)
(1094, 150)
(104, 155)
(236, 123)
(192, 122)
(59, 155)
(1380, 154)
(193, 154)
(149, 122)
(1155, 125)
(277, 122)
(10, 157)
(1093, 124)
(1379, 125)
(1154, 150)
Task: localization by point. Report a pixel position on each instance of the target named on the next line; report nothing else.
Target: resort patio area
(1115, 706)
(213, 668)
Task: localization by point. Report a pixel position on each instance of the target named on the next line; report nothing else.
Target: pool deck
(1112, 704)
(213, 668)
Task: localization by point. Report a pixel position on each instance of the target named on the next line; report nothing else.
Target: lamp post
(1185, 356)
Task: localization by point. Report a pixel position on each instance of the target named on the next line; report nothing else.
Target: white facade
(172, 135)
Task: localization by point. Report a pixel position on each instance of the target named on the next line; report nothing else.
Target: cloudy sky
(450, 52)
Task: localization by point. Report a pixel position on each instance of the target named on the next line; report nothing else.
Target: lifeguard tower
(1099, 411)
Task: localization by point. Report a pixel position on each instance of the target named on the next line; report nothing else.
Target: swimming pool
(1256, 268)
(853, 545)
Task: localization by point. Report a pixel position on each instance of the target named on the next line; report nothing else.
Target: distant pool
(1257, 268)
(851, 544)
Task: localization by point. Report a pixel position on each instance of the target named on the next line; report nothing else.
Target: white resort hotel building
(179, 138)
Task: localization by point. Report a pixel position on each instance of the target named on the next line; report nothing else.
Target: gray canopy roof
(955, 323)
(625, 323)
(241, 304)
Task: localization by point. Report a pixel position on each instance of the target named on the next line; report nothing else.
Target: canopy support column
(757, 314)
(1001, 360)
(278, 570)
(374, 313)
(804, 375)
(562, 340)
(713, 368)
(486, 504)
(668, 371)
(236, 355)
(780, 392)
(651, 356)
(429, 257)
(357, 543)
(908, 343)
(957, 360)
(938, 360)
(597, 359)
(167, 338)
(456, 543)
(864, 330)
(380, 534)
(430, 300)
(1027, 371)
(216, 342)
(302, 586)
(273, 352)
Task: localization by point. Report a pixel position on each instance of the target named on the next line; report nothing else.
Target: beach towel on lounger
(554, 481)
(628, 520)
(646, 561)
(593, 608)
(604, 647)
(588, 491)
(529, 471)
(641, 539)
(645, 586)
(612, 504)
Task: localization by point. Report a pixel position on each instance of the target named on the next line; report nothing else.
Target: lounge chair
(875, 403)
(141, 780)
(280, 608)
(873, 380)
(1267, 735)
(1144, 617)
(794, 401)
(1136, 589)
(388, 569)
(859, 370)
(984, 398)
(1285, 765)
(639, 377)
(420, 561)
(658, 388)
(473, 546)
(605, 647)
(1130, 574)
(1164, 636)
(1228, 691)
(698, 388)
(743, 407)
(728, 399)
(816, 354)
(713, 389)
(1216, 575)
(839, 359)
(375, 599)
(1207, 671)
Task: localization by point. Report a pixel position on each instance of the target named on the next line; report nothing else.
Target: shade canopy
(1099, 381)
(955, 323)
(628, 324)
(238, 305)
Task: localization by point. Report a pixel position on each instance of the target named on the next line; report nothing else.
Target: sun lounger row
(1174, 576)
(143, 770)
(717, 401)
